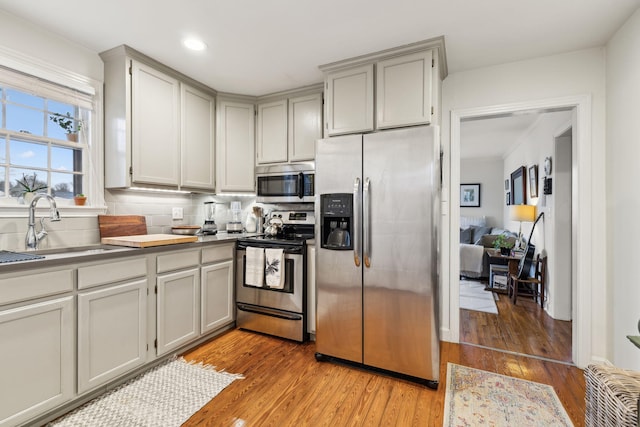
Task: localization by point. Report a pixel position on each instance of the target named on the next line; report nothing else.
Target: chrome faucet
(33, 238)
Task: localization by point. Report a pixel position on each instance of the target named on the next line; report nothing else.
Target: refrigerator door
(338, 279)
(400, 328)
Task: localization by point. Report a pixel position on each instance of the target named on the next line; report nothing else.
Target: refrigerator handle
(357, 241)
(366, 201)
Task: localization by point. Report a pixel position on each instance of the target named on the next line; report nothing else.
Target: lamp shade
(522, 213)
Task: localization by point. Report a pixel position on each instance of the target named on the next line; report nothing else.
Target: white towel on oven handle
(274, 268)
(254, 267)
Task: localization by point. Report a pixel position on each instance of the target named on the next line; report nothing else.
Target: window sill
(66, 211)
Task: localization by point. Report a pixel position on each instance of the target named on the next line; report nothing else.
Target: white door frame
(583, 201)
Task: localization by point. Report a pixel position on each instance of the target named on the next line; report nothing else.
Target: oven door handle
(268, 312)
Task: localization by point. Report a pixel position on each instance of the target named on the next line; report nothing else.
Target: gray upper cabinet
(350, 100)
(287, 128)
(305, 126)
(271, 141)
(197, 135)
(392, 88)
(235, 149)
(403, 88)
(159, 125)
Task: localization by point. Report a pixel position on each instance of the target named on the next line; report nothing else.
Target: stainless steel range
(279, 311)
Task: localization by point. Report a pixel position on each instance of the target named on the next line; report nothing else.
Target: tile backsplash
(156, 207)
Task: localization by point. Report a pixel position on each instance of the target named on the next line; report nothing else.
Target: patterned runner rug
(480, 398)
(165, 396)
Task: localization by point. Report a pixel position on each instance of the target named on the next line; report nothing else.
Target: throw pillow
(478, 232)
(465, 235)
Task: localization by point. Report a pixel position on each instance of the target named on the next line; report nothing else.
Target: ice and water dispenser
(336, 223)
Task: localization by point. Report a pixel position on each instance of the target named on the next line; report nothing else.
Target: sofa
(475, 239)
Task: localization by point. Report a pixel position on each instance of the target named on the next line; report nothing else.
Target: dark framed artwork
(470, 195)
(533, 181)
(519, 186)
(508, 198)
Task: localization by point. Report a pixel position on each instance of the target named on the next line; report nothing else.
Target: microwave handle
(300, 185)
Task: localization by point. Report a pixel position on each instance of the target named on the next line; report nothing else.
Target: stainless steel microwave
(291, 183)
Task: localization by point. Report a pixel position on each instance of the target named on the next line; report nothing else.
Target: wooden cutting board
(148, 240)
(121, 225)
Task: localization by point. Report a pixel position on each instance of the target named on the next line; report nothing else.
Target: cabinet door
(272, 132)
(177, 309)
(197, 139)
(403, 91)
(36, 361)
(235, 160)
(112, 332)
(349, 100)
(154, 126)
(217, 296)
(305, 126)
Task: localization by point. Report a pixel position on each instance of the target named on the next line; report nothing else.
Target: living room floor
(524, 328)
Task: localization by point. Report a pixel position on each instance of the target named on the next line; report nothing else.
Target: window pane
(62, 126)
(3, 150)
(66, 159)
(60, 108)
(65, 185)
(22, 98)
(24, 179)
(22, 119)
(25, 153)
(2, 182)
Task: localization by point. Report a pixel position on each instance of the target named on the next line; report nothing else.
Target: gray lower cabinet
(177, 309)
(217, 308)
(112, 332)
(37, 362)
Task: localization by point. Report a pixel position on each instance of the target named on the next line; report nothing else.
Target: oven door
(290, 298)
(289, 187)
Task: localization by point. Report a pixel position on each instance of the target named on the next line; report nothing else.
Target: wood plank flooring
(285, 386)
(522, 328)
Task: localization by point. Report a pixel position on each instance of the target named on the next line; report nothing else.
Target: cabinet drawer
(14, 289)
(217, 253)
(178, 260)
(111, 272)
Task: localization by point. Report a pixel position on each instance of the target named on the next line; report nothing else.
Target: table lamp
(522, 213)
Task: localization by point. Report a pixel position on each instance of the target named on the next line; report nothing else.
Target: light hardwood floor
(285, 386)
(522, 328)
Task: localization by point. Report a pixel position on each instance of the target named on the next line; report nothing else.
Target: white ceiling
(258, 47)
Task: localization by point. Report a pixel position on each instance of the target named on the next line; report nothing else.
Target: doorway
(490, 149)
(581, 201)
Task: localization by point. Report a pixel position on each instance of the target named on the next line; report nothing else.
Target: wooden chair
(537, 282)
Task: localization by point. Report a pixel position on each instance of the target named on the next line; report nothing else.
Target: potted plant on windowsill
(503, 244)
(80, 199)
(66, 123)
(28, 186)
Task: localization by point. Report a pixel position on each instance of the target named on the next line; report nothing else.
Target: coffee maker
(209, 226)
(336, 221)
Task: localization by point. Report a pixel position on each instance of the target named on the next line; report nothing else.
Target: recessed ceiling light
(194, 44)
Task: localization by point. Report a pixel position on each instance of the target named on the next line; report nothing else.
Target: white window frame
(94, 168)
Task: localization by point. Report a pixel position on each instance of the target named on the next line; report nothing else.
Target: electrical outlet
(177, 213)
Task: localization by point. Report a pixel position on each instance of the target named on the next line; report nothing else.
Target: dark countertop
(61, 256)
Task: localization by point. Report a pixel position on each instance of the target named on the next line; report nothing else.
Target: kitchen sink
(77, 250)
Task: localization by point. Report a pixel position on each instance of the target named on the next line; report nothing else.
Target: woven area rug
(474, 297)
(165, 396)
(480, 398)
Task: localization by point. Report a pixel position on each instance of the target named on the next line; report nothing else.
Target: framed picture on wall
(533, 181)
(507, 185)
(519, 186)
(470, 195)
(508, 198)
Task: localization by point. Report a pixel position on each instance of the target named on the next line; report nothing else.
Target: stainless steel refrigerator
(376, 248)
